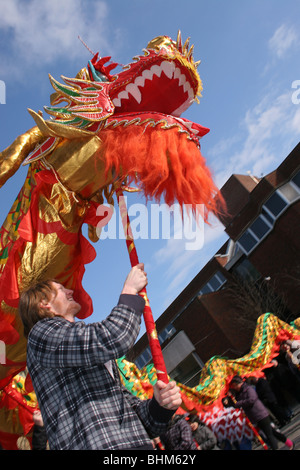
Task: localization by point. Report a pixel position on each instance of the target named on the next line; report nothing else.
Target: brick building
(263, 226)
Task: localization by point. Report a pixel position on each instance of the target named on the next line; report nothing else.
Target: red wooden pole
(154, 344)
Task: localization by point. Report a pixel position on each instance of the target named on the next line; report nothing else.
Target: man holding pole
(75, 377)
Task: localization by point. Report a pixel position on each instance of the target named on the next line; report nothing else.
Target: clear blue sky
(249, 53)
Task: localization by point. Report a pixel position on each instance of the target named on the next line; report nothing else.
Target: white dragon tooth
(168, 68)
(156, 70)
(182, 80)
(192, 95)
(180, 76)
(116, 102)
(177, 73)
(134, 91)
(123, 95)
(140, 81)
(187, 87)
(147, 74)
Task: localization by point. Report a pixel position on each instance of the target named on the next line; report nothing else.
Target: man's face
(237, 386)
(194, 426)
(62, 303)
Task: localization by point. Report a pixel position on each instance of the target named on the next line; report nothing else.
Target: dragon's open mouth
(164, 81)
(163, 88)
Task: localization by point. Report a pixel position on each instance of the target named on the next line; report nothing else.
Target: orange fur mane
(164, 163)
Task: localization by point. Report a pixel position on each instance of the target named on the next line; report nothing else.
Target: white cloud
(283, 39)
(296, 120)
(45, 31)
(264, 139)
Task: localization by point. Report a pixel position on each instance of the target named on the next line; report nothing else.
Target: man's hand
(136, 280)
(167, 395)
(37, 418)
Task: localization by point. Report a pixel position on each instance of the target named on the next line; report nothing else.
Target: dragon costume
(105, 132)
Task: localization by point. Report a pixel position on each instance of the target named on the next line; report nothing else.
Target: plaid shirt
(83, 403)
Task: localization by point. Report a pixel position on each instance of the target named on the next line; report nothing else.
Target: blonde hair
(30, 309)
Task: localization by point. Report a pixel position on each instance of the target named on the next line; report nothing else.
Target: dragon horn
(190, 53)
(186, 45)
(179, 41)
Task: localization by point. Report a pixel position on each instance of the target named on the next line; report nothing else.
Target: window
(246, 270)
(276, 204)
(166, 333)
(271, 210)
(247, 242)
(221, 278)
(260, 227)
(144, 358)
(267, 215)
(282, 198)
(214, 283)
(206, 289)
(296, 179)
(187, 372)
(289, 192)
